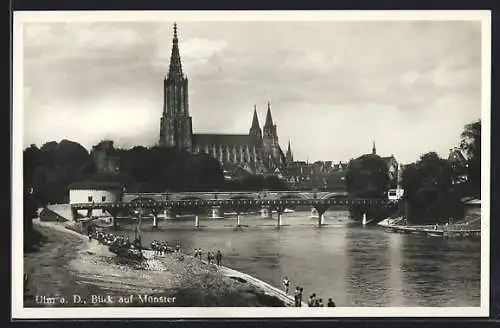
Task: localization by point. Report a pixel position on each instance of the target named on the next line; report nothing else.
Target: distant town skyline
(334, 87)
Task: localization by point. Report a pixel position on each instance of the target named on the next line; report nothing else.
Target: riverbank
(69, 267)
(469, 227)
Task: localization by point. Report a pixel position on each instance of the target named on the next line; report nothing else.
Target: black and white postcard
(223, 164)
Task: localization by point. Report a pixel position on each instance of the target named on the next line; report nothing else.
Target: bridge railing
(233, 202)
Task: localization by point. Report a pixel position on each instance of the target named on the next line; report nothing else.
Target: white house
(94, 192)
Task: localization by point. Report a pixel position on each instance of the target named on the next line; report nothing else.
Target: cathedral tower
(255, 131)
(176, 124)
(270, 140)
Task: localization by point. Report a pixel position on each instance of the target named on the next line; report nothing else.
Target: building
(257, 151)
(104, 157)
(94, 192)
(392, 166)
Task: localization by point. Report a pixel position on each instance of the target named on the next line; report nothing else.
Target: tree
(471, 144)
(428, 190)
(367, 176)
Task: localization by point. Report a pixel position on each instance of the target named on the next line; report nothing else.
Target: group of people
(161, 247)
(313, 300)
(109, 239)
(211, 256)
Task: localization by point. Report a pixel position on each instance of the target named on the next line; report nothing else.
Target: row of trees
(52, 168)
(430, 188)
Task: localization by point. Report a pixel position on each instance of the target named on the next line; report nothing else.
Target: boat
(288, 210)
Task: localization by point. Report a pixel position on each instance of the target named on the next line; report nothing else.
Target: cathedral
(256, 152)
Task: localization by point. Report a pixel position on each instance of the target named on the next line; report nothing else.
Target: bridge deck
(237, 202)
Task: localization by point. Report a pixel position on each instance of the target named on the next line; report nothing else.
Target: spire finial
(175, 30)
(374, 149)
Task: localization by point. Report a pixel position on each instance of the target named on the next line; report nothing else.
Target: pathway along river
(355, 265)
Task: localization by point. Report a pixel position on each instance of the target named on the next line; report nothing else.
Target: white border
(18, 312)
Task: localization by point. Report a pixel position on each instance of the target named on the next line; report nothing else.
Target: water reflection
(355, 266)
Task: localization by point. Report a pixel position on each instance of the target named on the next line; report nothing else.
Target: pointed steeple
(175, 69)
(374, 149)
(255, 121)
(289, 155)
(269, 118)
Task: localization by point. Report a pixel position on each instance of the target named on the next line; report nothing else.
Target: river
(354, 265)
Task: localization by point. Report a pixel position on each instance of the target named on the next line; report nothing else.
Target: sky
(334, 87)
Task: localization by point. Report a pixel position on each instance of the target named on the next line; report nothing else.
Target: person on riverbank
(312, 300)
(90, 232)
(218, 257)
(286, 284)
(200, 253)
(177, 248)
(297, 296)
(300, 296)
(320, 303)
(330, 303)
(209, 257)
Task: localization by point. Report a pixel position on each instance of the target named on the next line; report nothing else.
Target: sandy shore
(68, 270)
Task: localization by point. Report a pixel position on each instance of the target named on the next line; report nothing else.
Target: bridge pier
(238, 224)
(266, 212)
(321, 214)
(74, 214)
(364, 222)
(167, 213)
(155, 220)
(279, 211)
(114, 214)
(196, 221)
(216, 213)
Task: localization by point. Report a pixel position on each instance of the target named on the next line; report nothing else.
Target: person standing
(209, 257)
(286, 284)
(300, 296)
(297, 296)
(330, 303)
(320, 303)
(218, 257)
(311, 300)
(89, 232)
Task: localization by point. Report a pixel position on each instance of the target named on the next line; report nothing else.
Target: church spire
(175, 69)
(374, 149)
(289, 155)
(269, 118)
(255, 121)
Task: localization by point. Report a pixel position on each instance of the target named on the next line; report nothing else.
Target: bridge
(238, 205)
(129, 197)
